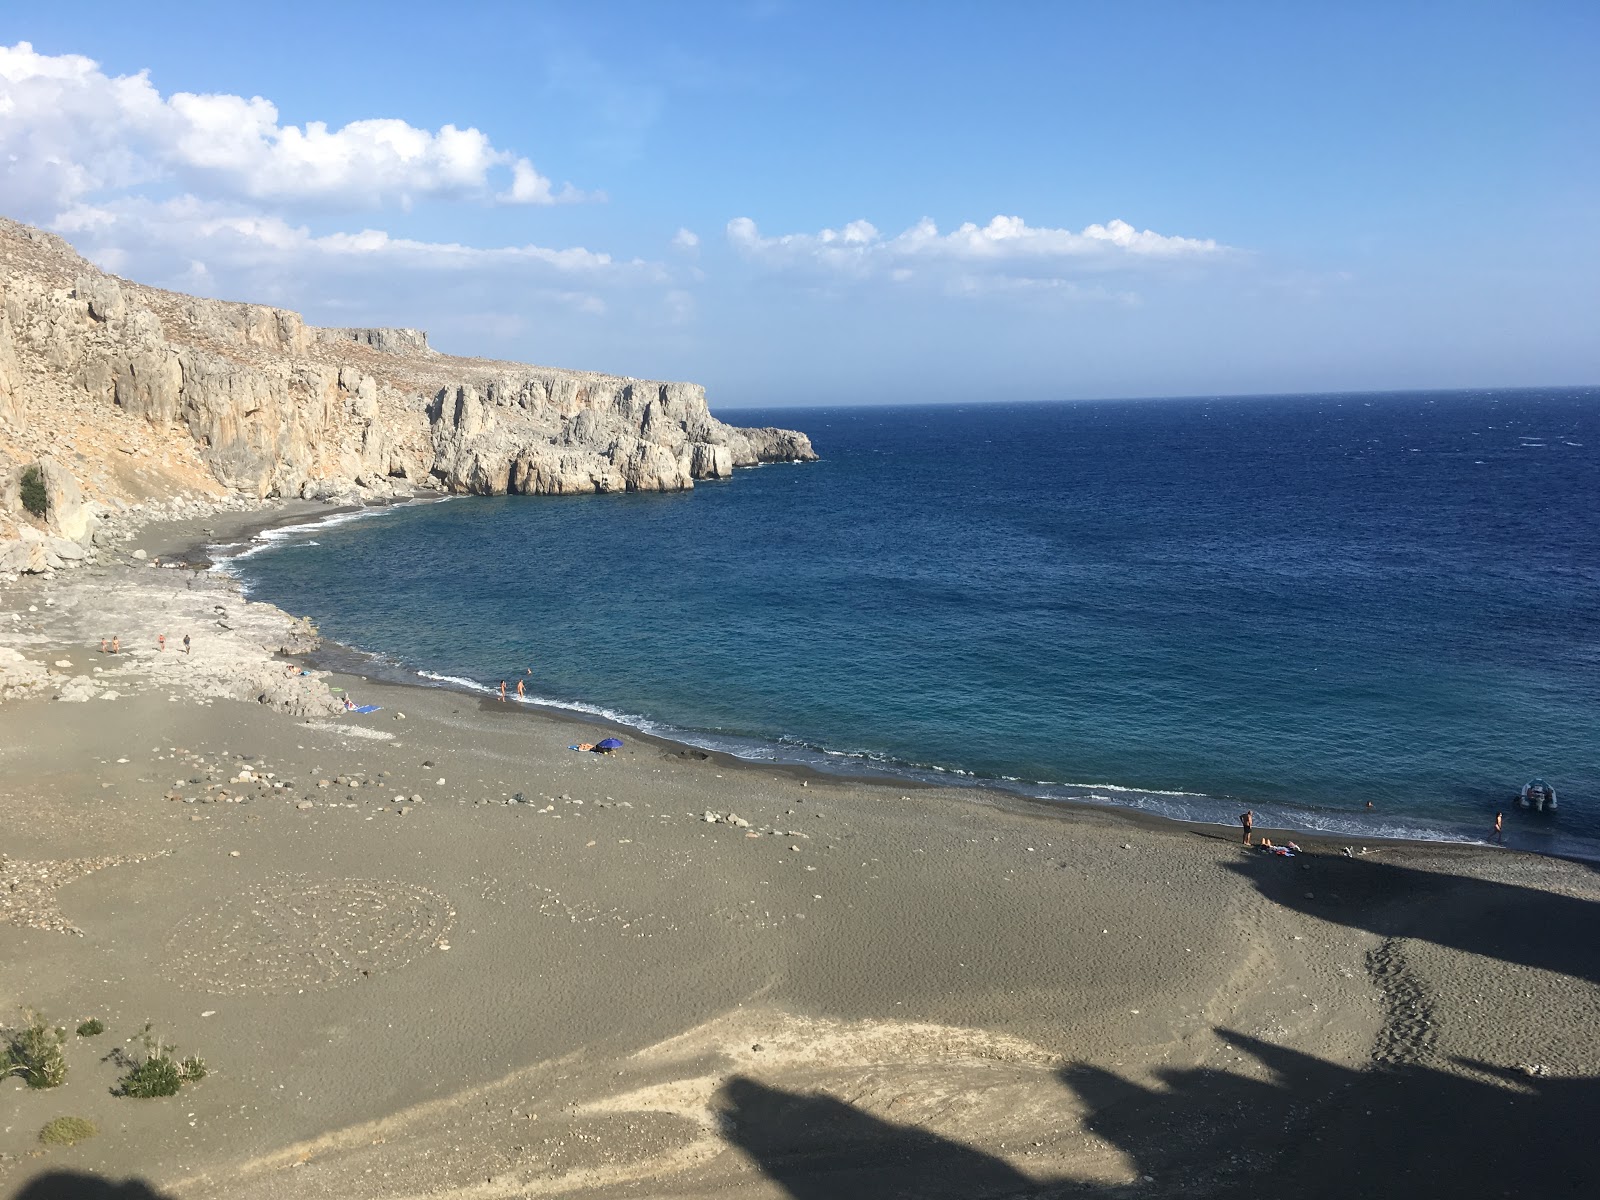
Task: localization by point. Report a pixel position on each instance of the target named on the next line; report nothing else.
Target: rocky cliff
(113, 394)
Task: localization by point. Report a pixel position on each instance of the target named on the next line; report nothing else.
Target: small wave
(455, 681)
(226, 555)
(1114, 787)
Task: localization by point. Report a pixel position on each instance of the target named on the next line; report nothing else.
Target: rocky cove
(120, 400)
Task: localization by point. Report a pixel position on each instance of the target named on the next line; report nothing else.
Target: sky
(817, 203)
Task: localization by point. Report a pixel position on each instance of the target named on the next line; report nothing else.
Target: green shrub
(152, 1077)
(67, 1131)
(34, 498)
(93, 1027)
(157, 1072)
(35, 1053)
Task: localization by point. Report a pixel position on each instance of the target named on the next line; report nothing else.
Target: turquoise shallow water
(1296, 603)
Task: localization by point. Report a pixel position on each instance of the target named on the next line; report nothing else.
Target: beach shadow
(1284, 1126)
(1529, 926)
(819, 1148)
(1315, 1130)
(76, 1185)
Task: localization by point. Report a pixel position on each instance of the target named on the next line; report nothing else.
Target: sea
(1299, 604)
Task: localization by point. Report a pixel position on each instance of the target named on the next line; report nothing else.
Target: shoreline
(432, 951)
(335, 656)
(812, 762)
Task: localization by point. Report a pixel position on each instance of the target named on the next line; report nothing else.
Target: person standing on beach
(186, 643)
(520, 693)
(1248, 820)
(1500, 828)
(102, 645)
(161, 641)
(502, 691)
(116, 645)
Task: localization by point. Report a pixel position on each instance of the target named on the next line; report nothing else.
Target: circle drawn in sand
(290, 935)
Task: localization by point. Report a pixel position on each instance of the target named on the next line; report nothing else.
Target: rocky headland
(121, 403)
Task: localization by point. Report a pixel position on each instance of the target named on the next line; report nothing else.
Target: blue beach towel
(366, 708)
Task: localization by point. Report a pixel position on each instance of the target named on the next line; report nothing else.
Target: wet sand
(432, 951)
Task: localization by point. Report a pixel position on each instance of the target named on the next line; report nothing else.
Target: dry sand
(405, 985)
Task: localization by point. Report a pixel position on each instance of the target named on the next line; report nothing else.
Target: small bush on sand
(34, 1052)
(93, 1027)
(67, 1131)
(34, 498)
(158, 1072)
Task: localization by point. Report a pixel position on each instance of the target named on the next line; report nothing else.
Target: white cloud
(216, 234)
(1007, 248)
(69, 132)
(686, 239)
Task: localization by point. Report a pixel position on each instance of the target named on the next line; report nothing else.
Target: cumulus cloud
(1004, 251)
(686, 239)
(70, 132)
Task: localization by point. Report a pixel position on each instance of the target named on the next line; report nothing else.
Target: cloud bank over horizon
(97, 156)
(971, 260)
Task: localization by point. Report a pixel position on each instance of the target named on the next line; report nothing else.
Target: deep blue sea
(1188, 606)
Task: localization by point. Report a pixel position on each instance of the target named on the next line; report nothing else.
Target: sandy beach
(432, 951)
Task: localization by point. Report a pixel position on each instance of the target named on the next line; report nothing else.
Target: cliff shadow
(1525, 925)
(1286, 1126)
(79, 1185)
(1314, 1130)
(819, 1148)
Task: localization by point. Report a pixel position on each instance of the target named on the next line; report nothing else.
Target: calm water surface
(1299, 603)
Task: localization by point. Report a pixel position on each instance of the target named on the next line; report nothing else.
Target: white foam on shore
(1195, 808)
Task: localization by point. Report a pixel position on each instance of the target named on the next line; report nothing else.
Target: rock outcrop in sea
(114, 395)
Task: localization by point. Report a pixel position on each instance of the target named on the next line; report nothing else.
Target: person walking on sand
(502, 691)
(1500, 828)
(102, 645)
(521, 694)
(1248, 820)
(161, 641)
(186, 643)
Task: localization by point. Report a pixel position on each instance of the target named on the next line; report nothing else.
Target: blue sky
(820, 203)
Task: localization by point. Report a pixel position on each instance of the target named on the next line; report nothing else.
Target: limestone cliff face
(132, 392)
